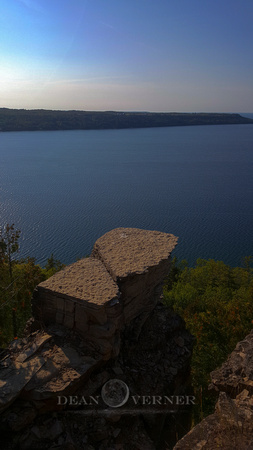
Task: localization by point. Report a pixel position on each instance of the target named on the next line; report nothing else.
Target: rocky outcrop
(44, 410)
(98, 296)
(138, 261)
(99, 320)
(231, 425)
(82, 297)
(236, 374)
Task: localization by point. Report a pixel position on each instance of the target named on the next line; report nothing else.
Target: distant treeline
(40, 119)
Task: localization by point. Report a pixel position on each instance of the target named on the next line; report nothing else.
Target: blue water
(64, 189)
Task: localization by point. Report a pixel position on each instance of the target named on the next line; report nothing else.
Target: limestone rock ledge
(99, 296)
(231, 425)
(98, 319)
(56, 362)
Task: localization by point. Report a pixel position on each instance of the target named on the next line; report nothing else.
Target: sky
(134, 55)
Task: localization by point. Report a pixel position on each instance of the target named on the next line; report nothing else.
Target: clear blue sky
(128, 55)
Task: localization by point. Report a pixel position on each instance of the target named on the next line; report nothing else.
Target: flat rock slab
(86, 280)
(65, 382)
(14, 376)
(41, 339)
(126, 251)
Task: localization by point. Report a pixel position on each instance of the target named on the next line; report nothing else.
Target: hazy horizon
(129, 111)
(138, 56)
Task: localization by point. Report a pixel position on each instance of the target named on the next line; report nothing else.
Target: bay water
(64, 189)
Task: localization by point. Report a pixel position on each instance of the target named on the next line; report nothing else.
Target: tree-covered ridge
(39, 119)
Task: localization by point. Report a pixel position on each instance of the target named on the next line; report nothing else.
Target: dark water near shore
(64, 189)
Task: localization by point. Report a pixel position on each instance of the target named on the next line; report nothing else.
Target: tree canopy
(216, 302)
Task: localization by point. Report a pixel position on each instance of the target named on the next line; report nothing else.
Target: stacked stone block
(138, 261)
(80, 297)
(99, 296)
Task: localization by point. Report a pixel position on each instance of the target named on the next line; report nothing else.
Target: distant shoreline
(52, 120)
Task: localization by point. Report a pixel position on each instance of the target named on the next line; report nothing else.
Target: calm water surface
(64, 189)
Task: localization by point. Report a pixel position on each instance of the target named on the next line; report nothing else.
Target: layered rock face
(98, 319)
(231, 425)
(82, 297)
(100, 295)
(54, 363)
(138, 261)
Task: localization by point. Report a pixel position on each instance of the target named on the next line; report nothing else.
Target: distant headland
(45, 120)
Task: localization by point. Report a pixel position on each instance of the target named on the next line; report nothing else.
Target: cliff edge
(103, 362)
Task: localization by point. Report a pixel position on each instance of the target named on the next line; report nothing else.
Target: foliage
(8, 244)
(18, 278)
(52, 266)
(216, 302)
(175, 271)
(16, 297)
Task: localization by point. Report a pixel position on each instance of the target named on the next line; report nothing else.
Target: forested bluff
(45, 120)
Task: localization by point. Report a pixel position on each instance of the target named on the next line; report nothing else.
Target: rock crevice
(97, 320)
(98, 296)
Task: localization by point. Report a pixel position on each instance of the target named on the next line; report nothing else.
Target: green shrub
(216, 302)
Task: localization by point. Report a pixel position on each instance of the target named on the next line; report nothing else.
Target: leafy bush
(216, 302)
(18, 278)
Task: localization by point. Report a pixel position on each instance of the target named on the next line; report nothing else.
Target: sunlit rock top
(86, 280)
(126, 251)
